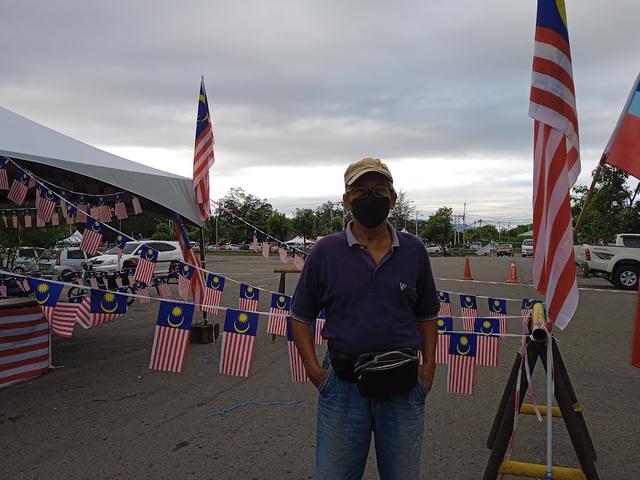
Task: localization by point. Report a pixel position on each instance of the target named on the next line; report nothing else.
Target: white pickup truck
(618, 262)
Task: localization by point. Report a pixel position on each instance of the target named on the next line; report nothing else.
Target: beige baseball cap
(366, 165)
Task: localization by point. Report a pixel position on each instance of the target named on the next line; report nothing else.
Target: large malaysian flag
(203, 157)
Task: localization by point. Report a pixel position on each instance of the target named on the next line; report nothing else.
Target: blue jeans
(346, 421)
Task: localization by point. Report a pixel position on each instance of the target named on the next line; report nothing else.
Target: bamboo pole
(587, 200)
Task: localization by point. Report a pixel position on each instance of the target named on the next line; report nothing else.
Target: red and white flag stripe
(461, 375)
(212, 299)
(318, 331)
(248, 304)
(236, 354)
(18, 192)
(277, 324)
(442, 348)
(298, 373)
(121, 211)
(169, 350)
(24, 345)
(144, 271)
(468, 318)
(90, 241)
(62, 318)
(488, 351)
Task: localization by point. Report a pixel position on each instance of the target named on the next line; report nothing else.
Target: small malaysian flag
(318, 327)
(55, 219)
(73, 215)
(189, 256)
(120, 208)
(14, 219)
(265, 249)
(278, 314)
(82, 209)
(525, 312)
(24, 345)
(249, 297)
(121, 241)
(298, 372)
(185, 272)
(469, 308)
(213, 293)
(94, 211)
(64, 206)
(19, 188)
(5, 220)
(63, 317)
(46, 200)
(93, 281)
(163, 287)
(445, 304)
(146, 265)
(92, 236)
(4, 180)
(171, 338)
(461, 373)
(137, 208)
(118, 280)
(498, 309)
(142, 292)
(488, 345)
(104, 210)
(254, 244)
(445, 325)
(284, 254)
(39, 222)
(238, 340)
(106, 306)
(3, 290)
(298, 262)
(28, 222)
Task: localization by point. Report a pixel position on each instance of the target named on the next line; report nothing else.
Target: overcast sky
(299, 89)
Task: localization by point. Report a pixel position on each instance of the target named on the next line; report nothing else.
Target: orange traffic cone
(467, 270)
(513, 274)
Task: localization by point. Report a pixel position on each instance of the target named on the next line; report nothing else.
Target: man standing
(379, 296)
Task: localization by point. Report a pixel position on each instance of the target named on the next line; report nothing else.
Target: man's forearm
(303, 338)
(429, 332)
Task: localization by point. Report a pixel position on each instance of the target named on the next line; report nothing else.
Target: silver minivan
(70, 260)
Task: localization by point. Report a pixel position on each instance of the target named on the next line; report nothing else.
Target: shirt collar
(352, 240)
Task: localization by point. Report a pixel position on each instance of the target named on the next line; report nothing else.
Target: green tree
(279, 226)
(252, 209)
(304, 223)
(325, 218)
(439, 227)
(163, 232)
(402, 212)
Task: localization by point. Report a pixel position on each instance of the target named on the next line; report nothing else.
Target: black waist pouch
(383, 375)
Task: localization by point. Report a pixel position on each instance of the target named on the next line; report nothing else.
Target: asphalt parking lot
(103, 414)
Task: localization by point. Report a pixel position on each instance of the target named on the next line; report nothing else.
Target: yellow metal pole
(534, 470)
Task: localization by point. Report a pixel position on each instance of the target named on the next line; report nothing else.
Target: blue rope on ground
(226, 411)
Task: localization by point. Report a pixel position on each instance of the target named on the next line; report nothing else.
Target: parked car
(167, 253)
(433, 249)
(31, 259)
(618, 262)
(527, 247)
(504, 250)
(70, 260)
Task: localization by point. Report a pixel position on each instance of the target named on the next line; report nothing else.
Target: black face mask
(370, 211)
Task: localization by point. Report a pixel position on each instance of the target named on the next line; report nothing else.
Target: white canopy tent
(73, 239)
(298, 241)
(24, 139)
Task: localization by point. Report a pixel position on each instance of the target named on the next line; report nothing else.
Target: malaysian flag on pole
(146, 265)
(461, 373)
(213, 293)
(318, 327)
(19, 188)
(498, 309)
(488, 345)
(556, 162)
(120, 208)
(445, 304)
(92, 236)
(238, 339)
(203, 157)
(104, 210)
(189, 256)
(249, 297)
(185, 272)
(4, 180)
(298, 372)
(106, 306)
(45, 203)
(469, 309)
(171, 338)
(24, 345)
(278, 314)
(444, 325)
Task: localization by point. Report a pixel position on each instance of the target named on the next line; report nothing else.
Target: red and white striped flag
(4, 180)
(298, 372)
(488, 346)
(146, 265)
(92, 236)
(298, 262)
(318, 327)
(556, 163)
(254, 244)
(45, 203)
(185, 272)
(14, 220)
(104, 210)
(171, 338)
(3, 291)
(83, 313)
(284, 255)
(265, 249)
(249, 297)
(189, 256)
(498, 309)
(444, 325)
(5, 220)
(213, 293)
(143, 293)
(238, 341)
(19, 188)
(24, 345)
(39, 222)
(28, 222)
(525, 311)
(461, 373)
(445, 304)
(469, 309)
(137, 207)
(94, 211)
(163, 288)
(55, 219)
(278, 314)
(63, 317)
(120, 209)
(203, 157)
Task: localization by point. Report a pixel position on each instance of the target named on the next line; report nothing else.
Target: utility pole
(464, 226)
(416, 223)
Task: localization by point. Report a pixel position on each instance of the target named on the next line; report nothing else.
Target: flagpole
(549, 407)
(587, 200)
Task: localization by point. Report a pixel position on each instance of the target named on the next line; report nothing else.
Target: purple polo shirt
(368, 308)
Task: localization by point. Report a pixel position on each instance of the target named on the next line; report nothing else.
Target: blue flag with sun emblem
(243, 323)
(497, 305)
(444, 324)
(108, 302)
(215, 281)
(185, 270)
(175, 315)
(148, 253)
(487, 325)
(249, 292)
(463, 344)
(46, 293)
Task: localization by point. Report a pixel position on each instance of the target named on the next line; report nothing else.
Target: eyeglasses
(379, 191)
